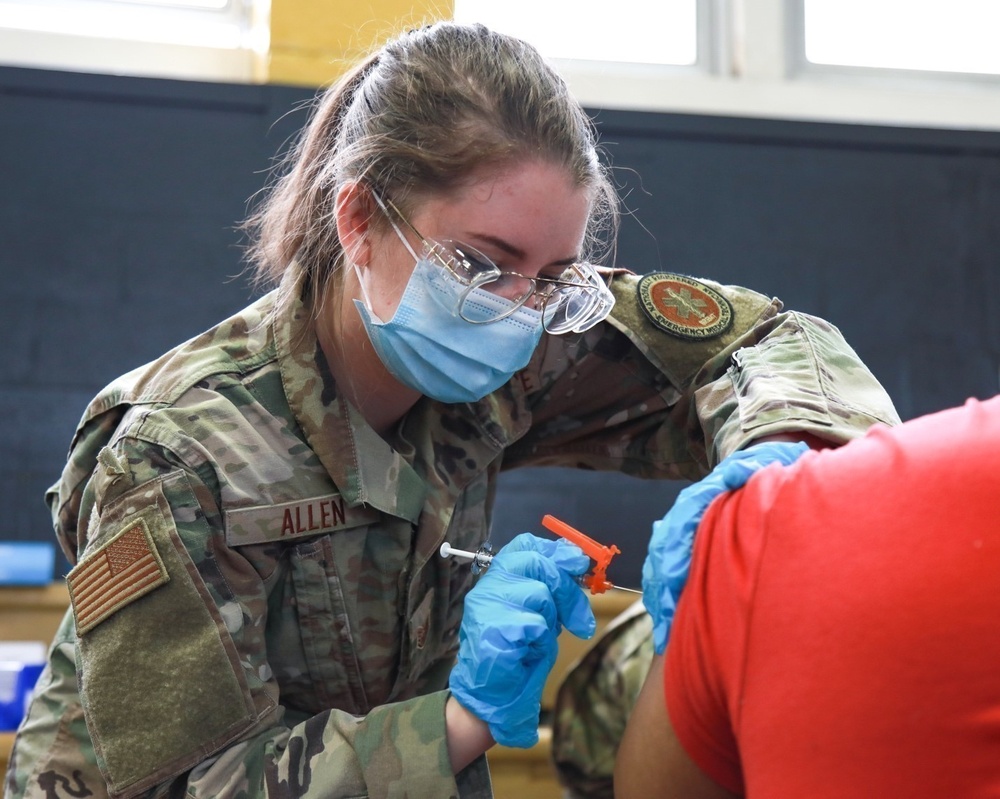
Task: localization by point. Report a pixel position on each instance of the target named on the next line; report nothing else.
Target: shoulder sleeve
(748, 368)
(703, 671)
(68, 500)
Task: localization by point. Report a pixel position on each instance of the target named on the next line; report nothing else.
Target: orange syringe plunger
(597, 580)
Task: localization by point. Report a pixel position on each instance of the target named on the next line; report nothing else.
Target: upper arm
(683, 737)
(651, 760)
(150, 640)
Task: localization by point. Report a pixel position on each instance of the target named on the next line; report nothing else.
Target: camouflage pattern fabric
(774, 386)
(258, 606)
(594, 701)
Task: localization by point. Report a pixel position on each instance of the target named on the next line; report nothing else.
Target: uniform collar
(440, 446)
(361, 464)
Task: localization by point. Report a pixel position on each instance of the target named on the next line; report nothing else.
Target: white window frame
(226, 44)
(759, 70)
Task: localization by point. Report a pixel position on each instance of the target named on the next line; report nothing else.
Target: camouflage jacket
(594, 701)
(258, 608)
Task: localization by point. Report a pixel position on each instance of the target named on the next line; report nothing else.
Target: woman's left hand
(668, 561)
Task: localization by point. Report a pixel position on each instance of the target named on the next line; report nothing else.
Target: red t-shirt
(840, 632)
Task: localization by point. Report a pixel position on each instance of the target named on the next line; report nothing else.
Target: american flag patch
(121, 571)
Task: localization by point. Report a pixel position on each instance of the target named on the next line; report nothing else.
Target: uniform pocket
(331, 655)
(777, 381)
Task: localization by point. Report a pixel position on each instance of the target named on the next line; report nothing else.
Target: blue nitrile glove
(665, 571)
(507, 641)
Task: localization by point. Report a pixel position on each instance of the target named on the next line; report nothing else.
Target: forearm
(800, 378)
(394, 749)
(468, 736)
(400, 748)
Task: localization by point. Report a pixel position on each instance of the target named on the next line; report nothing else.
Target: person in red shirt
(839, 632)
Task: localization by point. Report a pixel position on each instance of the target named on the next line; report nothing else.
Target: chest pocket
(308, 551)
(332, 675)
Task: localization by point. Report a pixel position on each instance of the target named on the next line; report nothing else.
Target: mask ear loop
(395, 227)
(362, 281)
(364, 288)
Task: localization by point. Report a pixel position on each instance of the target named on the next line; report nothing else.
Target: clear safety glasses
(573, 302)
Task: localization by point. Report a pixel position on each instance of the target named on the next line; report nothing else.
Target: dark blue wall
(120, 198)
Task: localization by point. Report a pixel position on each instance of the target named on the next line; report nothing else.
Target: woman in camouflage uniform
(258, 605)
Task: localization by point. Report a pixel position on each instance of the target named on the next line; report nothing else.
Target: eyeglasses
(574, 301)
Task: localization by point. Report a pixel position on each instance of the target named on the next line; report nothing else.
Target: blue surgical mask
(430, 348)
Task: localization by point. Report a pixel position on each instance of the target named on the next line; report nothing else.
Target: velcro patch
(683, 306)
(121, 571)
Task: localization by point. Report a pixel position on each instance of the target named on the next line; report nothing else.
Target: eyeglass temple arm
(385, 210)
(558, 281)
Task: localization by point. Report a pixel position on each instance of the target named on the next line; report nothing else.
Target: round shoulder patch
(683, 306)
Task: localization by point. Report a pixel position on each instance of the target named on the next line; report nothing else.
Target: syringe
(596, 580)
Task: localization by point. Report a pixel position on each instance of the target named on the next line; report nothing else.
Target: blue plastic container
(26, 563)
(17, 682)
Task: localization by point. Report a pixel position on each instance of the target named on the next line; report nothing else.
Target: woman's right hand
(507, 641)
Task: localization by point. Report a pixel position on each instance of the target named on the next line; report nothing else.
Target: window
(222, 23)
(627, 31)
(953, 36)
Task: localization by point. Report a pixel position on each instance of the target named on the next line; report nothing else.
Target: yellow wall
(314, 41)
